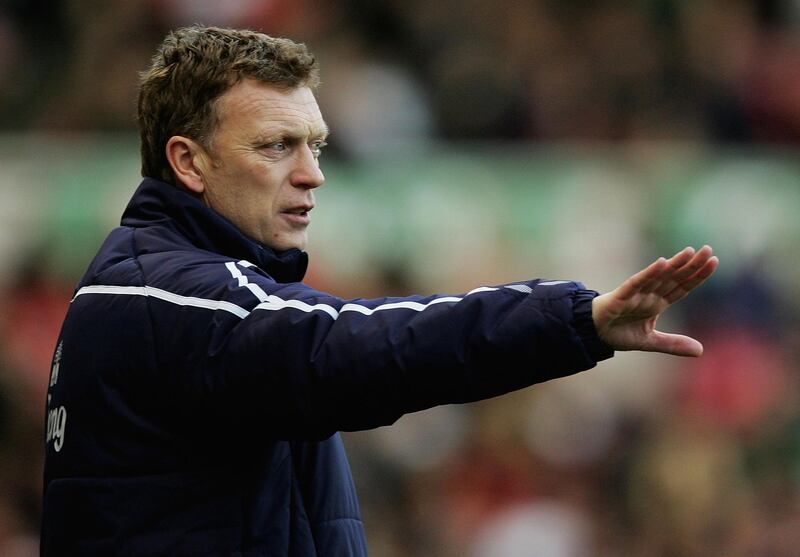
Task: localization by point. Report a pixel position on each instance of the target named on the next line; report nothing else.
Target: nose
(306, 172)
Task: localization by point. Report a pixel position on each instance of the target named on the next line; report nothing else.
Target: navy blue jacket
(198, 386)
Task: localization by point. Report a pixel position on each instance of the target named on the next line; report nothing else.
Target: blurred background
(475, 143)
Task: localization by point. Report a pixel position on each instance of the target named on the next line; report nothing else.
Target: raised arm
(626, 317)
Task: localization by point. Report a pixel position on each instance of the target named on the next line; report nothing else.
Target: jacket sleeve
(304, 364)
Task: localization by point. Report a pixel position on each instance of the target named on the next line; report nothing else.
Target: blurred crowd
(646, 456)
(406, 71)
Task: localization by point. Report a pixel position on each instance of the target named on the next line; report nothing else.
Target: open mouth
(298, 215)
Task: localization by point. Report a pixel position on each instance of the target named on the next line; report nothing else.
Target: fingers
(664, 277)
(641, 281)
(681, 258)
(684, 268)
(698, 278)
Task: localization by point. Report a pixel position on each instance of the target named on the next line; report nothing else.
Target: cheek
(262, 189)
(267, 179)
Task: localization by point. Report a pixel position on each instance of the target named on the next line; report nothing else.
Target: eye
(317, 146)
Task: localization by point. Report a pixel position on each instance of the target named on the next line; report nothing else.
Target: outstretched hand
(625, 318)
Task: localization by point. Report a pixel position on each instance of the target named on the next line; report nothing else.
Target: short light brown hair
(192, 68)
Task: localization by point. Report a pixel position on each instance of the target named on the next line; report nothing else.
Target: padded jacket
(198, 386)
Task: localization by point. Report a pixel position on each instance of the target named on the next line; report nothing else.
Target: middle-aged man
(198, 385)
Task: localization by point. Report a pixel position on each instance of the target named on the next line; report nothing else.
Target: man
(198, 385)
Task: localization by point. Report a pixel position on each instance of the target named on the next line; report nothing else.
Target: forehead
(258, 107)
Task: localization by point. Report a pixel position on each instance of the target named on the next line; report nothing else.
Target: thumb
(677, 345)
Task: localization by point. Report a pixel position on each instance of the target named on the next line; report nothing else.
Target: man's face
(264, 161)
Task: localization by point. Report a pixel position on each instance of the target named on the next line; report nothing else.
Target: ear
(185, 157)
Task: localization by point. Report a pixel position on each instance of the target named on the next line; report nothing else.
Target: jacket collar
(158, 203)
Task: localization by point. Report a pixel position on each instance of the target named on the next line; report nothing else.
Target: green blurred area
(452, 215)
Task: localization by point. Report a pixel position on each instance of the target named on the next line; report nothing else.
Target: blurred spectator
(373, 106)
(21, 461)
(540, 529)
(771, 94)
(109, 44)
(689, 494)
(32, 312)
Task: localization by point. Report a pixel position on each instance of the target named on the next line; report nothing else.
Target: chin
(288, 244)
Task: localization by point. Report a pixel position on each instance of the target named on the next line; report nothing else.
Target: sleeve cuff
(584, 325)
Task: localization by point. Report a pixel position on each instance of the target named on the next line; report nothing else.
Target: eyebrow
(265, 136)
